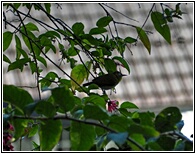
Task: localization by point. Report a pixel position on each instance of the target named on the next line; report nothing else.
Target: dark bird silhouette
(107, 81)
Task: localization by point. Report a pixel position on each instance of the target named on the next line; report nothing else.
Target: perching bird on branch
(107, 81)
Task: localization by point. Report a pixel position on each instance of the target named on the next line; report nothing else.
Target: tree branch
(65, 117)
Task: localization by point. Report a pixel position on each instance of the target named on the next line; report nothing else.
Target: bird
(107, 81)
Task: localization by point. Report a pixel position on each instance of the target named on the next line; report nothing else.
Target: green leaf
(18, 64)
(141, 129)
(47, 43)
(125, 112)
(120, 124)
(46, 108)
(109, 65)
(167, 119)
(16, 5)
(166, 142)
(139, 138)
(21, 51)
(7, 38)
(33, 130)
(119, 138)
(82, 136)
(6, 59)
(32, 38)
(48, 79)
(18, 46)
(89, 39)
(95, 99)
(73, 62)
(130, 40)
(51, 34)
(161, 26)
(147, 118)
(97, 114)
(144, 38)
(78, 28)
(72, 51)
(95, 53)
(65, 82)
(97, 30)
(20, 126)
(78, 73)
(33, 67)
(16, 96)
(36, 147)
(128, 105)
(154, 146)
(42, 60)
(104, 21)
(167, 12)
(64, 98)
(31, 27)
(47, 6)
(120, 45)
(50, 133)
(88, 65)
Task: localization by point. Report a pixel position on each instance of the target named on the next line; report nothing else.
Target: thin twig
(125, 24)
(148, 15)
(120, 12)
(129, 49)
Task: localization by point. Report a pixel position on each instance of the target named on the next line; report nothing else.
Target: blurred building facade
(163, 78)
